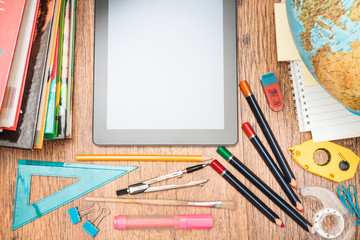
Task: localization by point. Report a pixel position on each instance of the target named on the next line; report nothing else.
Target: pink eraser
(272, 91)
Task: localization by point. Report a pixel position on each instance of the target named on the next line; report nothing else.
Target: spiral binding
(297, 86)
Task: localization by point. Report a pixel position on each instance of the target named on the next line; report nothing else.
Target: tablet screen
(165, 64)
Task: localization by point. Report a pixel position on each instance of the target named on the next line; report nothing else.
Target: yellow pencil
(158, 158)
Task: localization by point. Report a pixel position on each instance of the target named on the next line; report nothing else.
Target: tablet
(165, 72)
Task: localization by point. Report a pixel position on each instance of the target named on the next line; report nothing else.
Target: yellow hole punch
(326, 159)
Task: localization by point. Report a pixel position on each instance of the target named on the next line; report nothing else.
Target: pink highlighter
(164, 222)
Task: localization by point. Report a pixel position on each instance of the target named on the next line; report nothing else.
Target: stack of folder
(36, 71)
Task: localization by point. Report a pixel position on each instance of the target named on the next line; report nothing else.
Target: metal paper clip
(145, 186)
(90, 227)
(74, 213)
(348, 197)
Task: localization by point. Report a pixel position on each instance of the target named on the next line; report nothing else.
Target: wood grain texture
(256, 56)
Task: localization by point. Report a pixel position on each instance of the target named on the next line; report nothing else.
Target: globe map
(327, 35)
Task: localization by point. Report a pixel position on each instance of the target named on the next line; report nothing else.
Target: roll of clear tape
(344, 226)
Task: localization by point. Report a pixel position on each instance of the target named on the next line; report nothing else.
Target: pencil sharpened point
(300, 207)
(279, 222)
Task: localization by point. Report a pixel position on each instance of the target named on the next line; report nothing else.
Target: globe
(327, 35)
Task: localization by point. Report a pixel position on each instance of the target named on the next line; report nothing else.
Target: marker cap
(196, 222)
(249, 131)
(245, 88)
(217, 167)
(224, 152)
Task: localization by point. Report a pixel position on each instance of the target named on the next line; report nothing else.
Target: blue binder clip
(74, 213)
(90, 227)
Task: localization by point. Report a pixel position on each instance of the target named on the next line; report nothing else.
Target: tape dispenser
(326, 159)
(332, 220)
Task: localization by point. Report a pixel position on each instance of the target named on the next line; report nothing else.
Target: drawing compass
(145, 186)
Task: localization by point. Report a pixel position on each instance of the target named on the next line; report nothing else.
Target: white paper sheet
(329, 119)
(165, 64)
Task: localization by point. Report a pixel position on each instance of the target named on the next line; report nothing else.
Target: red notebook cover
(13, 128)
(11, 12)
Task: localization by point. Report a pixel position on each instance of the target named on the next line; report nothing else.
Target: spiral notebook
(317, 111)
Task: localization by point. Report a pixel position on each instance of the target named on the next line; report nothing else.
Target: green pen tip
(224, 152)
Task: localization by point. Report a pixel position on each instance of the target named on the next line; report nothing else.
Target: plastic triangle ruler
(91, 176)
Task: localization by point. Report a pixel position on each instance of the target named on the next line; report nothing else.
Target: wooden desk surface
(256, 55)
